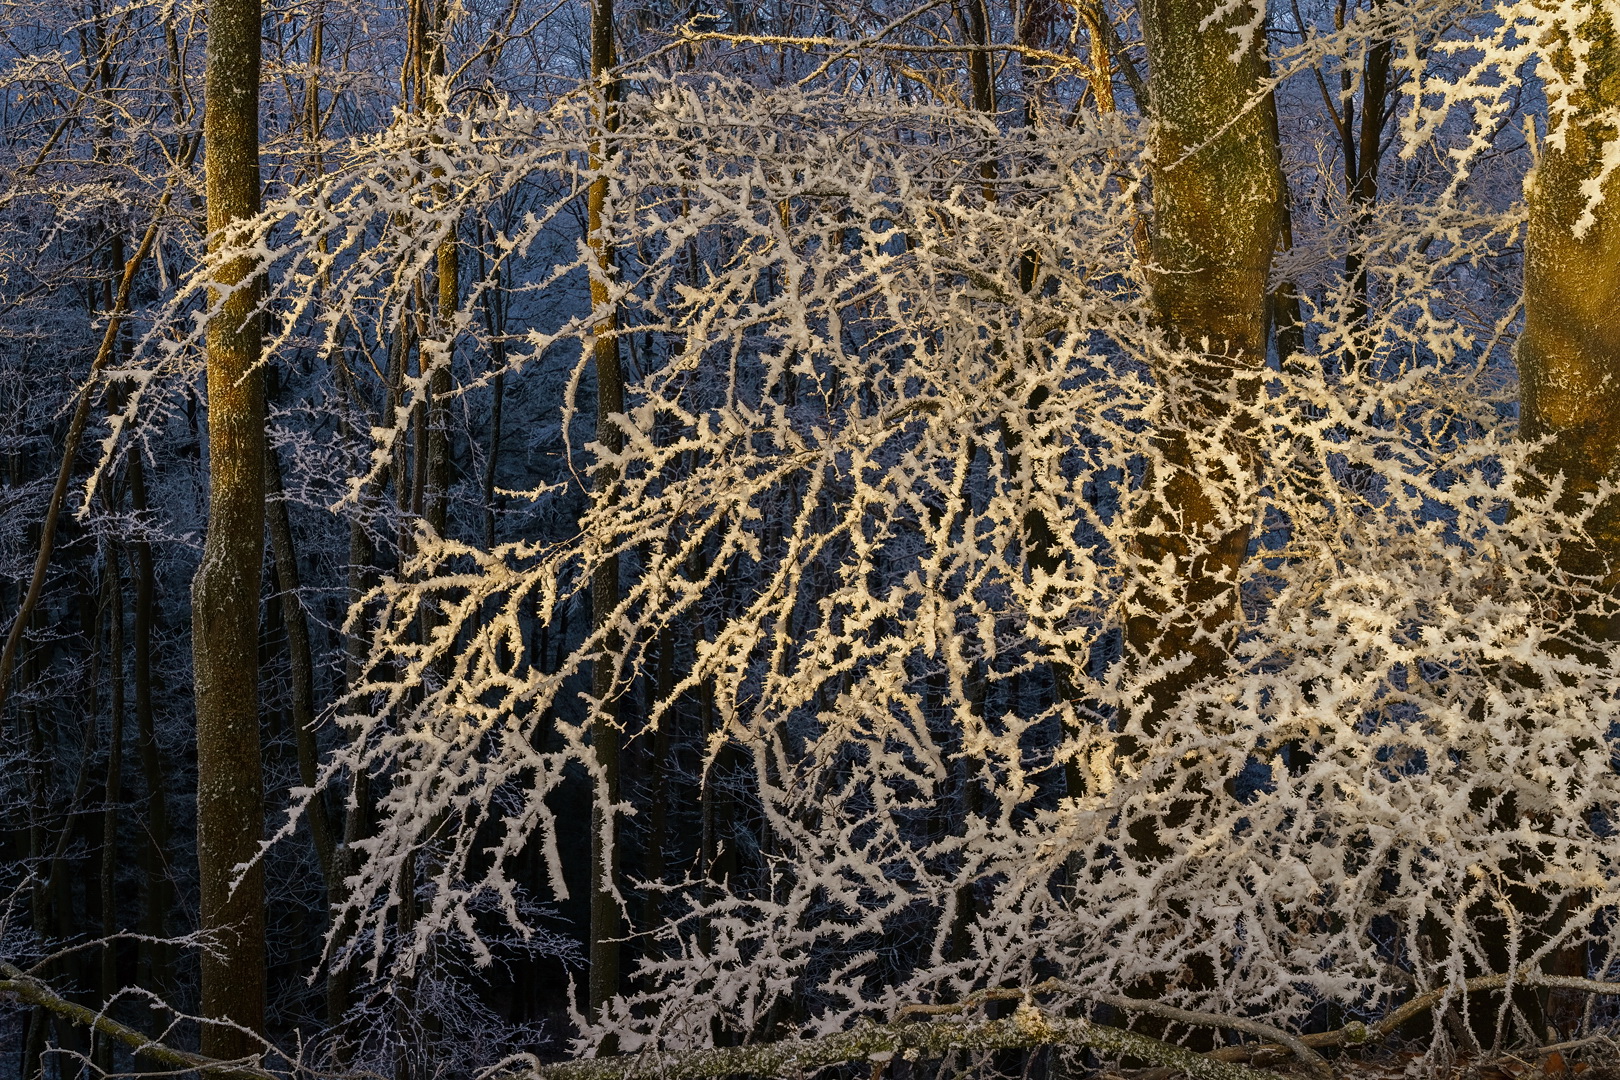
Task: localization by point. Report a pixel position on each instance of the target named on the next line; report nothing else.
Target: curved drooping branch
(26, 988)
(116, 318)
(1029, 1028)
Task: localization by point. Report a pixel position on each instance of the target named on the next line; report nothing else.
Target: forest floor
(1554, 1066)
(1593, 1063)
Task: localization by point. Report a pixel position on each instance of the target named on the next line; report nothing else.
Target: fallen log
(1028, 1028)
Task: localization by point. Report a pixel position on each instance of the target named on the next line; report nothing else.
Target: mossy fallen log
(1029, 1028)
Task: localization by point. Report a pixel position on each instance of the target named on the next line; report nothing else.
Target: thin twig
(794, 42)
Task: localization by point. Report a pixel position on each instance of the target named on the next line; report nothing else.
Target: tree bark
(448, 302)
(301, 662)
(155, 956)
(605, 736)
(111, 812)
(1361, 180)
(225, 592)
(1569, 373)
(1217, 194)
(1569, 353)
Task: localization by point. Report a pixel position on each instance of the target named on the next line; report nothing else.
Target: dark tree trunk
(605, 735)
(156, 960)
(300, 661)
(111, 811)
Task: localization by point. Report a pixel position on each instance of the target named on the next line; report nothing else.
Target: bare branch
(28, 989)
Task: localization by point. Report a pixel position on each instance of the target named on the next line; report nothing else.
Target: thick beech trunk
(1569, 354)
(1569, 371)
(1217, 196)
(225, 592)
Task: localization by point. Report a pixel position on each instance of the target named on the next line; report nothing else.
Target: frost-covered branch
(855, 390)
(32, 991)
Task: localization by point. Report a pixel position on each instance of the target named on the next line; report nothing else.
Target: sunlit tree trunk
(1216, 202)
(1569, 354)
(430, 62)
(225, 592)
(1569, 369)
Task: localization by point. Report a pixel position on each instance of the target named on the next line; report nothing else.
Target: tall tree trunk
(225, 592)
(1569, 370)
(448, 299)
(301, 662)
(1361, 179)
(1569, 353)
(653, 862)
(974, 16)
(605, 735)
(494, 310)
(155, 956)
(111, 812)
(1217, 194)
(362, 572)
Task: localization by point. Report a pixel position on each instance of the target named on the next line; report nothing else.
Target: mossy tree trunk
(1569, 371)
(1217, 202)
(225, 592)
(1569, 354)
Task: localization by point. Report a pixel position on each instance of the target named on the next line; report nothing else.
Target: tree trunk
(653, 863)
(362, 574)
(301, 662)
(1361, 180)
(1569, 371)
(494, 311)
(448, 260)
(1217, 193)
(155, 956)
(605, 735)
(1569, 354)
(225, 592)
(111, 812)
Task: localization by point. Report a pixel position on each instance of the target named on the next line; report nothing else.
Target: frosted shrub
(862, 389)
